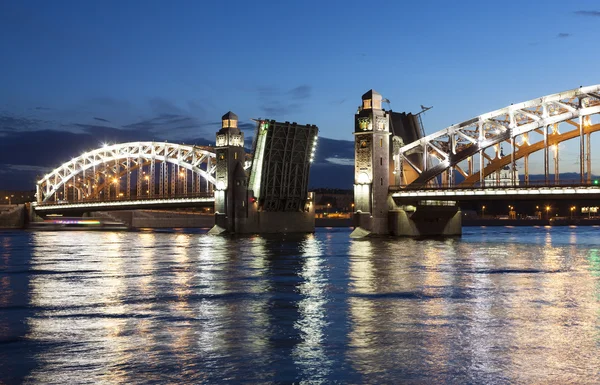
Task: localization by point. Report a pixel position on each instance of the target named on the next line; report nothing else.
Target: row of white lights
(123, 203)
(313, 149)
(545, 191)
(90, 153)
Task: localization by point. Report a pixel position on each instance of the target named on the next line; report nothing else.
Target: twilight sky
(76, 73)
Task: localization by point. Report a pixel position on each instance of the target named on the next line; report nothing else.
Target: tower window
(367, 104)
(235, 155)
(363, 144)
(381, 181)
(381, 161)
(381, 142)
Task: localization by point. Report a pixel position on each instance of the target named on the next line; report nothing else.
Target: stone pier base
(426, 221)
(270, 223)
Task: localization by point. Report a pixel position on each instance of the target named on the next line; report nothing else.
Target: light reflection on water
(510, 305)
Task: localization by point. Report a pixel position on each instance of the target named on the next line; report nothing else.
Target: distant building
(16, 197)
(334, 200)
(502, 177)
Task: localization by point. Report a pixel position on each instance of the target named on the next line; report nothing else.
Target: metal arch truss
(101, 170)
(463, 141)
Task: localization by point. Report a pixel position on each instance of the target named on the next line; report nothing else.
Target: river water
(499, 305)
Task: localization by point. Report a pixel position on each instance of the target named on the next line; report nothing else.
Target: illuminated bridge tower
(231, 183)
(372, 165)
(377, 134)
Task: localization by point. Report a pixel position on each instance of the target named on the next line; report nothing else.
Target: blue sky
(169, 70)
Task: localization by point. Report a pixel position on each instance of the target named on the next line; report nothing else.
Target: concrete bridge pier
(424, 221)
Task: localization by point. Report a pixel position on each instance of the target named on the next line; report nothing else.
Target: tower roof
(371, 94)
(228, 126)
(230, 115)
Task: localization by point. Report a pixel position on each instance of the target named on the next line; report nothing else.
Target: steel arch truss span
(472, 148)
(131, 170)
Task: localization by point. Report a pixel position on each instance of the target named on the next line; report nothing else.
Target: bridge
(407, 183)
(264, 191)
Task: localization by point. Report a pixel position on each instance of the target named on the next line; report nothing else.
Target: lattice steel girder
(502, 125)
(108, 155)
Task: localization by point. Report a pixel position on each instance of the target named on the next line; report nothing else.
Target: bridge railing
(130, 199)
(495, 185)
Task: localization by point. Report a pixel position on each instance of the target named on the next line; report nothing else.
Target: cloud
(588, 13)
(166, 123)
(102, 120)
(341, 161)
(12, 123)
(277, 103)
(563, 35)
(300, 92)
(247, 126)
(10, 168)
(277, 108)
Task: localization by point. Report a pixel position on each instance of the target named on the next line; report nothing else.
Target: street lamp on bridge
(547, 212)
(483, 211)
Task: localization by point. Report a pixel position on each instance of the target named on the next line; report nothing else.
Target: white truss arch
(461, 141)
(185, 156)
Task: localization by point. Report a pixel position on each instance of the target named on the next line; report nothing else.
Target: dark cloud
(247, 126)
(588, 13)
(102, 120)
(164, 122)
(277, 103)
(276, 108)
(563, 35)
(12, 123)
(300, 92)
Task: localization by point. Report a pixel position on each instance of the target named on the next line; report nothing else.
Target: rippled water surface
(499, 305)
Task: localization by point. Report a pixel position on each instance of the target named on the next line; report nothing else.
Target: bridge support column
(376, 212)
(231, 192)
(372, 166)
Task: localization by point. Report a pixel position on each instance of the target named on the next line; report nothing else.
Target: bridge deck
(124, 204)
(504, 192)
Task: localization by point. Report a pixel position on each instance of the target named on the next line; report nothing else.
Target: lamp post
(328, 206)
(483, 212)
(547, 212)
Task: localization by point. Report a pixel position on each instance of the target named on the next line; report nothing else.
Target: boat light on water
(73, 221)
(78, 224)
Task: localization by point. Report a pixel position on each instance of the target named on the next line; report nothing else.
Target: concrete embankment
(155, 219)
(138, 219)
(12, 216)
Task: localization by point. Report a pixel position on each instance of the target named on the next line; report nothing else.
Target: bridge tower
(372, 165)
(377, 212)
(231, 183)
